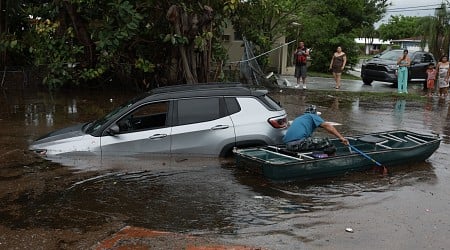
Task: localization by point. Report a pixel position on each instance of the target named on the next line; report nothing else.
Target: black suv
(383, 67)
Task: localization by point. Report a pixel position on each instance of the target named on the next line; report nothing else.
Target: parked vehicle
(383, 67)
(204, 119)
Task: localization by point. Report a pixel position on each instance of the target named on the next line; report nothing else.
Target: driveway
(323, 83)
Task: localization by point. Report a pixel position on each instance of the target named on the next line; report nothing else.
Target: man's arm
(332, 130)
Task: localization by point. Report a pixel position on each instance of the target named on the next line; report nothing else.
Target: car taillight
(278, 122)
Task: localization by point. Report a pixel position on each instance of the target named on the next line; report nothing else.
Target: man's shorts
(300, 71)
(311, 144)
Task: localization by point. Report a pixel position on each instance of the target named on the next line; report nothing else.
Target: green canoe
(388, 148)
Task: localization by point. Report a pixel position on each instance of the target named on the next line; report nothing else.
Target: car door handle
(157, 136)
(220, 127)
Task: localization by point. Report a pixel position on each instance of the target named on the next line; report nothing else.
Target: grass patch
(350, 95)
(371, 96)
(365, 57)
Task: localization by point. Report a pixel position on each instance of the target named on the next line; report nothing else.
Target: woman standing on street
(403, 63)
(337, 65)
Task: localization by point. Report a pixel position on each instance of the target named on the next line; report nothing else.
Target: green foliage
(54, 56)
(436, 31)
(65, 54)
(78, 41)
(329, 24)
(144, 65)
(175, 39)
(399, 27)
(262, 22)
(8, 44)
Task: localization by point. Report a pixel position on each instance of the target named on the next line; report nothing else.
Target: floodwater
(73, 203)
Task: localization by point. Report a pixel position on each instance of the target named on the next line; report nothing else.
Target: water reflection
(72, 109)
(446, 128)
(321, 194)
(399, 110)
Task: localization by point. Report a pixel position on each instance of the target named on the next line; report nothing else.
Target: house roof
(410, 39)
(362, 40)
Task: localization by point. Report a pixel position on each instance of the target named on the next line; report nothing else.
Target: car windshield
(93, 126)
(391, 55)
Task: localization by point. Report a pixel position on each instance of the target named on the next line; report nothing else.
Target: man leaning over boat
(298, 136)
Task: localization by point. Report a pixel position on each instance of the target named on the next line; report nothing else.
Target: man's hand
(345, 141)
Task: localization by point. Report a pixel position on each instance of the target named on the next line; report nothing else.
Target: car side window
(198, 110)
(232, 105)
(146, 117)
(418, 58)
(427, 58)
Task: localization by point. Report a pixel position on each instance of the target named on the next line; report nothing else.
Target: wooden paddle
(384, 168)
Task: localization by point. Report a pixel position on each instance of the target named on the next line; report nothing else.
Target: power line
(405, 10)
(413, 7)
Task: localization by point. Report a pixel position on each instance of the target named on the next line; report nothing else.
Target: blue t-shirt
(302, 127)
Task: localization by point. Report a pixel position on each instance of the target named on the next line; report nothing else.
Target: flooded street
(76, 202)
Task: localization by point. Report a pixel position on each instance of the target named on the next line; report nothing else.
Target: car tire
(367, 81)
(394, 85)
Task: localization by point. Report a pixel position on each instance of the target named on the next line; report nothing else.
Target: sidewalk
(322, 83)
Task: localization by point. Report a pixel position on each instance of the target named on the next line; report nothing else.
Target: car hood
(65, 133)
(381, 61)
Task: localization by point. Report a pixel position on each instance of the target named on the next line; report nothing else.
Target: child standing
(431, 77)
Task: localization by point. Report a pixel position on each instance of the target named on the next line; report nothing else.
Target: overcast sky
(411, 8)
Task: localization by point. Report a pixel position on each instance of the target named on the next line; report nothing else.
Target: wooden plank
(415, 138)
(276, 153)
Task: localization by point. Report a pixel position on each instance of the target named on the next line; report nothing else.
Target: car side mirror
(113, 130)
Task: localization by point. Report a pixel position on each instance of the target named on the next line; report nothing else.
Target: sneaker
(297, 86)
(304, 86)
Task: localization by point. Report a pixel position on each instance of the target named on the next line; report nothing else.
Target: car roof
(205, 89)
(411, 51)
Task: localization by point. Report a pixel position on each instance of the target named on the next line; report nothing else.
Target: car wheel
(367, 81)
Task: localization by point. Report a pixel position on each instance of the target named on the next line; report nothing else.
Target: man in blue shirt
(304, 126)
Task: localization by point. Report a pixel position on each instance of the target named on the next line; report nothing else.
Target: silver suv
(205, 119)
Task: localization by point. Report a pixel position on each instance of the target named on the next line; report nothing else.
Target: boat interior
(367, 143)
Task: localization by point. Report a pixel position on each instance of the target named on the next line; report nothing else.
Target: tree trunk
(3, 25)
(194, 61)
(82, 34)
(175, 16)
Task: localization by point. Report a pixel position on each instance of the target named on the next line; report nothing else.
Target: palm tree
(437, 31)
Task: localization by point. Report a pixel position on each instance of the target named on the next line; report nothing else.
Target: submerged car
(383, 67)
(203, 119)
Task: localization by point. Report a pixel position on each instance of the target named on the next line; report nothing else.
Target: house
(412, 44)
(372, 45)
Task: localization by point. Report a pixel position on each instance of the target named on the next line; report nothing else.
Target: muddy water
(76, 202)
